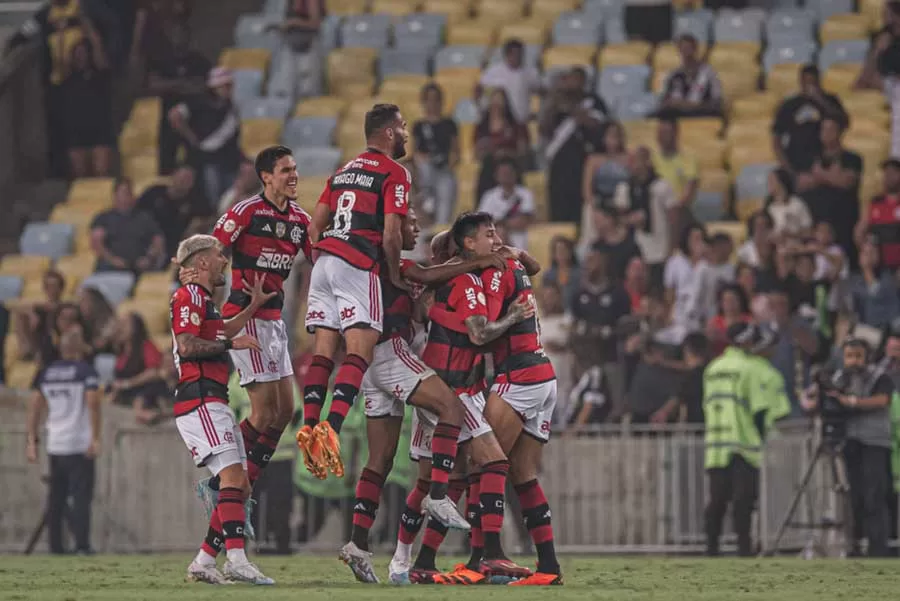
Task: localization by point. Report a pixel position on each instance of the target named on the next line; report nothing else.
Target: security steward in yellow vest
(742, 396)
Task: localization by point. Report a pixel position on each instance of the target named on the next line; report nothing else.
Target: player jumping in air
(358, 220)
(396, 377)
(206, 424)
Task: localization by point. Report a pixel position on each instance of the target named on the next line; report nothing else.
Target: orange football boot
(312, 452)
(503, 568)
(539, 579)
(330, 448)
(461, 574)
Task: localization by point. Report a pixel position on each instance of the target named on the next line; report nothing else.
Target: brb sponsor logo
(269, 259)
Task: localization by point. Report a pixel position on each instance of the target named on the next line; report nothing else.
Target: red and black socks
(368, 493)
(231, 514)
(444, 443)
(316, 388)
(536, 513)
(436, 532)
(346, 388)
(411, 519)
(492, 487)
(473, 516)
(259, 455)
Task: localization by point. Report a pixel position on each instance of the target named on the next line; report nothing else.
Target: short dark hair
(507, 161)
(379, 117)
(266, 159)
(512, 44)
(467, 224)
(839, 117)
(697, 343)
(431, 87)
(751, 223)
(720, 238)
(580, 71)
(688, 37)
(686, 236)
(55, 275)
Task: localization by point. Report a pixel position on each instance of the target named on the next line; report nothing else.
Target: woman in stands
(564, 271)
(138, 379)
(498, 135)
(98, 320)
(733, 307)
(603, 171)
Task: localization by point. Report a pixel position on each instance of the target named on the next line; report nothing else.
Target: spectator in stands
(564, 271)
(65, 318)
(688, 399)
(173, 206)
(32, 322)
(873, 289)
(603, 171)
(211, 127)
(437, 155)
(745, 277)
(150, 36)
(510, 203)
(649, 20)
(517, 80)
(789, 213)
(759, 239)
(796, 137)
(732, 306)
(693, 89)
(681, 278)
(138, 379)
(87, 107)
(124, 238)
(498, 136)
(555, 338)
(301, 32)
(831, 261)
(98, 320)
(615, 240)
(776, 263)
(831, 186)
(637, 284)
(883, 219)
(177, 76)
(245, 185)
(716, 273)
(679, 170)
(881, 70)
(571, 124)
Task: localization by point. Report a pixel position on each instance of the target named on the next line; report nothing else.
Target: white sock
(404, 552)
(236, 556)
(205, 559)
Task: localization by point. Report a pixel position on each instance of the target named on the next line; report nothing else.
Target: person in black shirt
(173, 206)
(798, 122)
(437, 154)
(883, 60)
(689, 396)
(614, 239)
(693, 89)
(831, 186)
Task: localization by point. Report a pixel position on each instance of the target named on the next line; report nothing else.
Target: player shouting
(359, 216)
(396, 377)
(202, 415)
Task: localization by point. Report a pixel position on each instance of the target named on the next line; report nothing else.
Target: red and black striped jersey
(193, 311)
(263, 240)
(358, 197)
(449, 352)
(398, 307)
(519, 357)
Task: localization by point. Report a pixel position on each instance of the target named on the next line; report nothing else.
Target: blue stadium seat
(532, 55)
(394, 61)
(273, 107)
(708, 206)
(785, 50)
(115, 286)
(734, 26)
(420, 31)
(247, 84)
(52, 240)
(614, 32)
(634, 108)
(105, 366)
(321, 160)
(459, 56)
(827, 8)
(576, 29)
(843, 51)
(790, 22)
(467, 111)
(329, 33)
(366, 31)
(252, 31)
(10, 287)
(301, 132)
(695, 22)
(622, 81)
(607, 9)
(276, 8)
(751, 182)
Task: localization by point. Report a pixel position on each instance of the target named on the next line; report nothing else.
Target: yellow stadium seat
(75, 268)
(667, 58)
(629, 53)
(716, 180)
(245, 58)
(750, 154)
(739, 132)
(163, 341)
(83, 241)
(729, 54)
(467, 142)
(456, 10)
(467, 181)
(761, 105)
(397, 8)
(360, 88)
(134, 141)
(746, 207)
(21, 375)
(700, 128)
(403, 85)
(308, 191)
(457, 84)
(24, 265)
(865, 102)
(870, 186)
(709, 153)
(141, 167)
(472, 33)
(783, 80)
(567, 56)
(739, 80)
(844, 27)
(261, 131)
(349, 137)
(872, 147)
(346, 7)
(350, 65)
(321, 106)
(506, 11)
(67, 213)
(91, 189)
(530, 31)
(641, 132)
(735, 229)
(864, 125)
(10, 345)
(551, 9)
(873, 10)
(840, 79)
(145, 112)
(153, 284)
(33, 289)
(154, 313)
(536, 181)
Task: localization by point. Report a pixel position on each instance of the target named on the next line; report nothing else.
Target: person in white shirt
(510, 203)
(518, 80)
(759, 235)
(790, 215)
(555, 325)
(681, 278)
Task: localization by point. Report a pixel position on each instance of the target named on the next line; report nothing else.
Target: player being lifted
(396, 377)
(358, 220)
(206, 423)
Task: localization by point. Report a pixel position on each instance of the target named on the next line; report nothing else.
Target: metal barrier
(613, 489)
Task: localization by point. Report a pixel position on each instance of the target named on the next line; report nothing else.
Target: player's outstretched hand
(401, 284)
(258, 296)
(187, 275)
(523, 308)
(240, 343)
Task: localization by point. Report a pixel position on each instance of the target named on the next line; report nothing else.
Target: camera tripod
(830, 450)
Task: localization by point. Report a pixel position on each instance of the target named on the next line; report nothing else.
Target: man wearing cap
(883, 219)
(742, 396)
(211, 127)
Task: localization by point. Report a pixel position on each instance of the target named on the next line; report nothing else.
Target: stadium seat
(52, 240)
(254, 59)
(751, 181)
(454, 10)
(76, 268)
(255, 31)
(346, 7)
(260, 132)
(709, 206)
(500, 12)
(715, 180)
(248, 84)
(265, 108)
(740, 80)
(788, 52)
(827, 8)
(321, 106)
(614, 32)
(734, 26)
(745, 208)
(105, 366)
(309, 189)
(309, 131)
(700, 128)
(621, 82)
(865, 102)
(550, 10)
(21, 375)
(421, 31)
(604, 8)
(568, 56)
(451, 57)
(472, 33)
(630, 53)
(789, 23)
(536, 181)
(710, 152)
(696, 23)
(631, 108)
(394, 61)
(395, 8)
(91, 189)
(10, 287)
(366, 31)
(532, 32)
(350, 67)
(115, 286)
(844, 27)
(457, 84)
(576, 29)
(843, 51)
(154, 314)
(24, 266)
(317, 161)
(840, 78)
(666, 57)
(784, 79)
(467, 142)
(759, 105)
(744, 156)
(540, 235)
(467, 111)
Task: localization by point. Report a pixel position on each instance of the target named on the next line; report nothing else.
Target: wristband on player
(228, 344)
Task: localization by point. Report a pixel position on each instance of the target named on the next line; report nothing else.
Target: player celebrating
(265, 233)
(397, 377)
(202, 415)
(359, 217)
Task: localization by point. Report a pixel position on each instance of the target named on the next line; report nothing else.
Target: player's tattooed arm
(531, 265)
(438, 274)
(194, 347)
(482, 331)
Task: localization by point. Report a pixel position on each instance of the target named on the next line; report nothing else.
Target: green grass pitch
(315, 578)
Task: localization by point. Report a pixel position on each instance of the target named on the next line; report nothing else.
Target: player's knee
(282, 416)
(520, 474)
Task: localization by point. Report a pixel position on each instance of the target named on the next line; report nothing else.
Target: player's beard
(220, 280)
(399, 148)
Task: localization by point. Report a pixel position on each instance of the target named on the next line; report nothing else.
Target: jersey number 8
(343, 214)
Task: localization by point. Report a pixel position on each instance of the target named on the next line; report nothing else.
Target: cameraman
(864, 392)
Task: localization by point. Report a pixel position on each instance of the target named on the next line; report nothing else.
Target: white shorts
(533, 402)
(424, 422)
(212, 435)
(270, 364)
(392, 378)
(342, 296)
